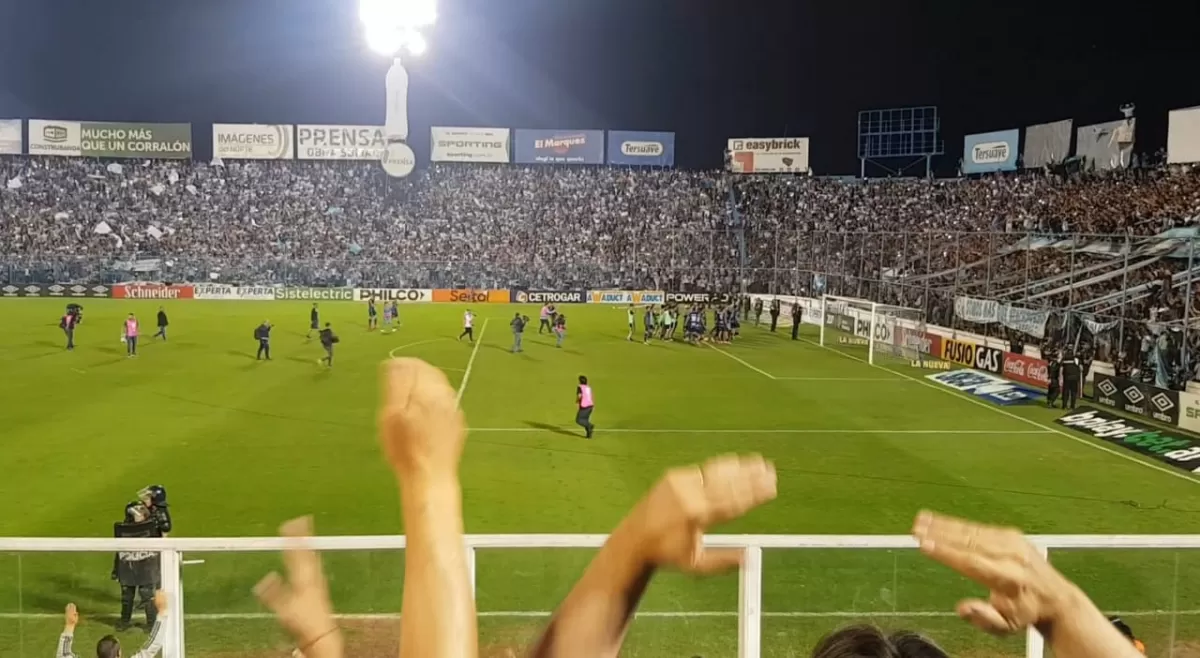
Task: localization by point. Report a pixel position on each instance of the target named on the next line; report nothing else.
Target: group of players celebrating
(662, 322)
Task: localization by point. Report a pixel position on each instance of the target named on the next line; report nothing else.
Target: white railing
(750, 578)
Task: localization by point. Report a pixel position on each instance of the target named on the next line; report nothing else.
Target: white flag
(114, 168)
(102, 228)
(154, 232)
(158, 189)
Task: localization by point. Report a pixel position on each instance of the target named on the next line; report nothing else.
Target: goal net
(879, 332)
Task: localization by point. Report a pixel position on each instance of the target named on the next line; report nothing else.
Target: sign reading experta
(98, 139)
(773, 155)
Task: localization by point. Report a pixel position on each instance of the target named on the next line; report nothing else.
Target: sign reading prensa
(340, 143)
(99, 139)
(469, 144)
(786, 155)
(1182, 452)
(559, 147)
(252, 141)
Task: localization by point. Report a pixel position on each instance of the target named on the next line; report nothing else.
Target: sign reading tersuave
(768, 155)
(98, 139)
(559, 147)
(469, 144)
(253, 141)
(994, 151)
(634, 148)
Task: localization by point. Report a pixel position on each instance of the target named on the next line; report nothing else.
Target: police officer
(797, 317)
(136, 571)
(262, 333)
(774, 314)
(1053, 372)
(1071, 379)
(154, 499)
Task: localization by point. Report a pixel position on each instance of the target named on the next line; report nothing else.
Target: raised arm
(665, 529)
(71, 619)
(302, 603)
(422, 432)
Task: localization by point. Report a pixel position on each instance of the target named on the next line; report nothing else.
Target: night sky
(706, 70)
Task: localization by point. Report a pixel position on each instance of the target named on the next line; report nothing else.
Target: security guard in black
(1071, 380)
(262, 333)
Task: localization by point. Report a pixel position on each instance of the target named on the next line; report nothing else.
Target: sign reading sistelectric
(253, 141)
(315, 142)
(469, 144)
(787, 155)
(98, 139)
(316, 294)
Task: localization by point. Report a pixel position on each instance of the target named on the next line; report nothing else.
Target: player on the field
(328, 339)
(162, 324)
(131, 336)
(468, 326)
(372, 316)
(560, 329)
(632, 322)
(389, 315)
(67, 324)
(648, 325)
(314, 322)
(583, 398)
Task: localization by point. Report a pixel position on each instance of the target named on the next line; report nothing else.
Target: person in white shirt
(109, 646)
(468, 326)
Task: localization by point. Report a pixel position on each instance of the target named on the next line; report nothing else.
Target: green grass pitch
(243, 445)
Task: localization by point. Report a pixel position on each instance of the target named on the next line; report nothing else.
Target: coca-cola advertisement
(1026, 369)
(153, 291)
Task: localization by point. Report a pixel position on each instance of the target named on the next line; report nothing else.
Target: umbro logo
(1134, 395)
(1107, 387)
(1162, 402)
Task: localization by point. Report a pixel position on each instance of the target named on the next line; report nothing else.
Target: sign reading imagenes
(994, 151)
(99, 139)
(252, 141)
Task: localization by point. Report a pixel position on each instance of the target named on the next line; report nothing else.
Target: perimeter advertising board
(987, 152)
(559, 147)
(322, 142)
(253, 141)
(633, 148)
(469, 144)
(769, 155)
(100, 139)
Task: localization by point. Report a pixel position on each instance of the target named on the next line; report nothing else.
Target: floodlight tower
(392, 27)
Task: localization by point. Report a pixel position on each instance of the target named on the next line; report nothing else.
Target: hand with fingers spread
(665, 529)
(302, 603)
(420, 426)
(71, 619)
(1025, 590)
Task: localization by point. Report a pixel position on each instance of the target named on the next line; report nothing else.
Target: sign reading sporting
(779, 155)
(11, 142)
(315, 142)
(994, 151)
(253, 141)
(99, 139)
(559, 147)
(635, 148)
(469, 144)
(1182, 452)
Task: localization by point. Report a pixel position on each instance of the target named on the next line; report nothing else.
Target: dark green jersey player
(314, 321)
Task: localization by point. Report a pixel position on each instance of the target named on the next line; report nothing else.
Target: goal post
(881, 330)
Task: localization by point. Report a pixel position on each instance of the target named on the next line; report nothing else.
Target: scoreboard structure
(897, 139)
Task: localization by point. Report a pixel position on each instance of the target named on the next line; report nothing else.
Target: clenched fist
(670, 521)
(420, 426)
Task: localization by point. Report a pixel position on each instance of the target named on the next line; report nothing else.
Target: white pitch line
(392, 352)
(1003, 412)
(759, 431)
(869, 614)
(739, 360)
(462, 388)
(842, 379)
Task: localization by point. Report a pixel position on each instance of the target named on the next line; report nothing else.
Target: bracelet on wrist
(307, 645)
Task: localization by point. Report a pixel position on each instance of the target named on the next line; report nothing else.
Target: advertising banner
(1183, 136)
(1105, 146)
(402, 295)
(921, 341)
(220, 291)
(636, 148)
(1138, 398)
(100, 139)
(1047, 143)
(699, 298)
(559, 147)
(549, 296)
(315, 294)
(469, 144)
(883, 330)
(1189, 412)
(1026, 369)
(153, 291)
(319, 142)
(1172, 449)
(55, 290)
(771, 155)
(253, 141)
(973, 356)
(472, 296)
(626, 296)
(989, 387)
(994, 151)
(11, 142)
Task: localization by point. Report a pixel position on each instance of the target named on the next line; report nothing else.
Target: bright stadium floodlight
(391, 25)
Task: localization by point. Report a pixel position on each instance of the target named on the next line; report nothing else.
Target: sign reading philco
(153, 291)
(55, 290)
(634, 148)
(559, 147)
(253, 141)
(403, 295)
(469, 144)
(768, 155)
(98, 139)
(340, 142)
(316, 294)
(1182, 452)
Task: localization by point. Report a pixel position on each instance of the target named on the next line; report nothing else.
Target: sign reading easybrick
(774, 155)
(636, 148)
(98, 139)
(1182, 452)
(340, 142)
(10, 137)
(469, 144)
(253, 141)
(559, 147)
(994, 151)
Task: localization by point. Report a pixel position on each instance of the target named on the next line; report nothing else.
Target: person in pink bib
(131, 336)
(583, 396)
